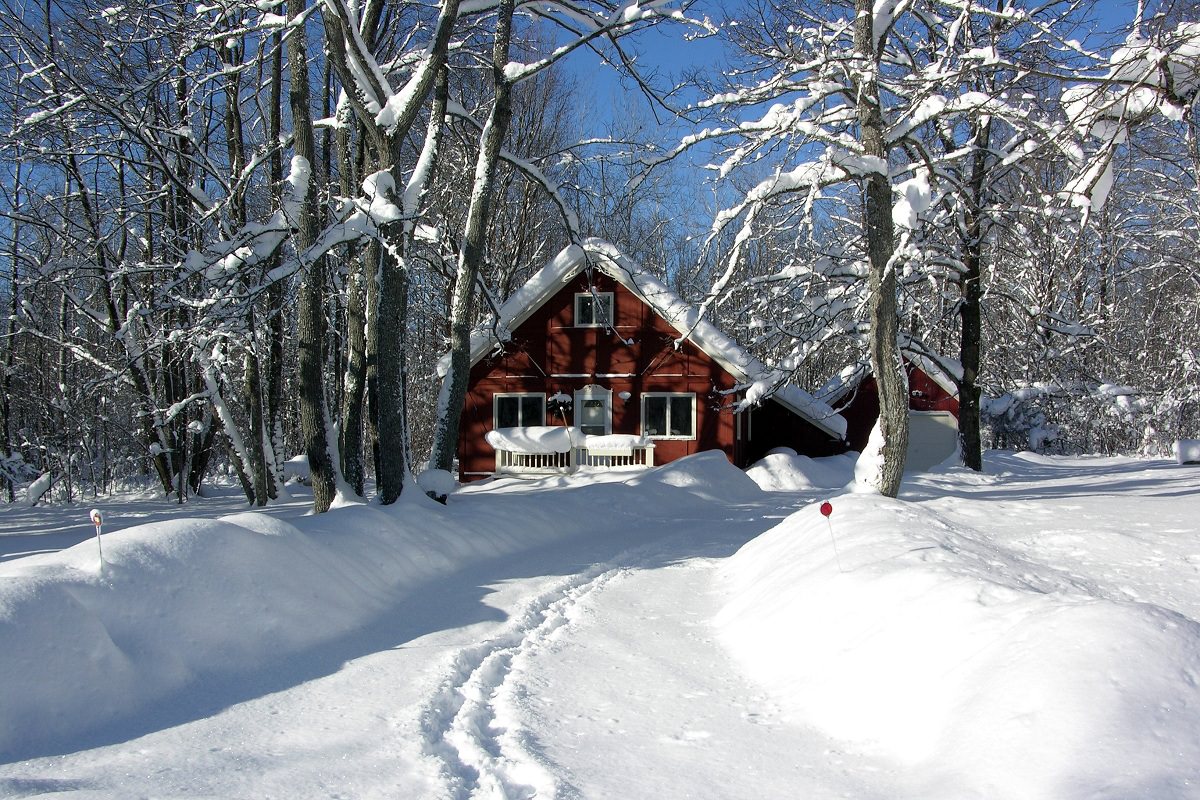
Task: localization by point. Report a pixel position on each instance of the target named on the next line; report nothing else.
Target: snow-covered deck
(556, 450)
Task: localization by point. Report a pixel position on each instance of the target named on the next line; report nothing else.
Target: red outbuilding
(595, 362)
(933, 407)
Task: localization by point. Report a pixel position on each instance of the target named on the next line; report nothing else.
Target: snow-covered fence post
(98, 521)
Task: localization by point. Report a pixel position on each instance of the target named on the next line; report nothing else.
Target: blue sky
(666, 49)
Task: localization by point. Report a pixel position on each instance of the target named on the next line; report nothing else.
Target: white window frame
(605, 298)
(523, 424)
(668, 395)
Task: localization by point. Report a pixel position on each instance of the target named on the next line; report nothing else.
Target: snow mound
(1187, 451)
(615, 442)
(707, 475)
(438, 481)
(534, 439)
(789, 472)
(933, 647)
(36, 490)
(296, 469)
(190, 599)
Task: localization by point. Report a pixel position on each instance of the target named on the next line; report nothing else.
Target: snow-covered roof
(685, 318)
(944, 372)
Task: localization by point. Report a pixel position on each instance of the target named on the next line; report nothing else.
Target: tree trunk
(387, 312)
(272, 399)
(886, 360)
(310, 327)
(354, 383)
(10, 329)
(971, 310)
(471, 256)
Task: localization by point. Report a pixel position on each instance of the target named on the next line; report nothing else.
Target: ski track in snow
(471, 723)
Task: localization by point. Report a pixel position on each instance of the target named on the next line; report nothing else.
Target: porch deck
(547, 450)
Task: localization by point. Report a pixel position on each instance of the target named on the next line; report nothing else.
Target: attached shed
(932, 403)
(595, 343)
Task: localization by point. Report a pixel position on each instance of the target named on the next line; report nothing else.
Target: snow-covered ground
(1026, 633)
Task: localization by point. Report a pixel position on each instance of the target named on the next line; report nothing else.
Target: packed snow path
(611, 684)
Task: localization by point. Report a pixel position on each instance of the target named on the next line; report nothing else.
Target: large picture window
(593, 309)
(518, 410)
(669, 415)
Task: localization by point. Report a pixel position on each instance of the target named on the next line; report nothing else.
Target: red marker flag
(827, 512)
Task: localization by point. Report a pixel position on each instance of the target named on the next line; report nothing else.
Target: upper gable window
(593, 309)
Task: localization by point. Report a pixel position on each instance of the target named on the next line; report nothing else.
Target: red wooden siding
(548, 354)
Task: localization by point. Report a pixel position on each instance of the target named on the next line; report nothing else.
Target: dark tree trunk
(310, 321)
(971, 310)
(886, 361)
(353, 466)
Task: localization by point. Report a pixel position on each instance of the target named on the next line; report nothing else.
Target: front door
(593, 410)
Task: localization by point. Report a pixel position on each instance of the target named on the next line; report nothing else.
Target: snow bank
(1187, 451)
(789, 472)
(296, 469)
(707, 475)
(990, 676)
(191, 597)
(213, 599)
(181, 599)
(534, 439)
(36, 490)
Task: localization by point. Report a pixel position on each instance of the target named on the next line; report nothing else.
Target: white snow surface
(786, 471)
(1187, 450)
(535, 439)
(615, 441)
(1029, 632)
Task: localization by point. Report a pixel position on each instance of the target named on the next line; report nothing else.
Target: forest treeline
(235, 232)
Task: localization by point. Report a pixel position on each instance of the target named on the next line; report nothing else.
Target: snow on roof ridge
(682, 316)
(944, 371)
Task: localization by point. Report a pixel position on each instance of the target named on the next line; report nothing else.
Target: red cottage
(933, 408)
(594, 362)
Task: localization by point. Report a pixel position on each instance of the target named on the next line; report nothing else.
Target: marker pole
(827, 513)
(98, 521)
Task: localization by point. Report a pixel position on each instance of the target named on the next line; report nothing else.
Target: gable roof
(604, 257)
(943, 371)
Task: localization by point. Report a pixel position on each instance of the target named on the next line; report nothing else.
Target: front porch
(555, 450)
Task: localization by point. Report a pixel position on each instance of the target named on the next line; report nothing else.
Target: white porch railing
(516, 463)
(535, 451)
(638, 455)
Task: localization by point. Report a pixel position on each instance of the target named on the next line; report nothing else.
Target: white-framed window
(518, 410)
(669, 415)
(593, 309)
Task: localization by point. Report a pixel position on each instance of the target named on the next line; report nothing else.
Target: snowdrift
(190, 600)
(984, 674)
(786, 471)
